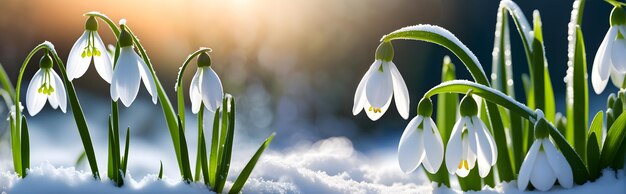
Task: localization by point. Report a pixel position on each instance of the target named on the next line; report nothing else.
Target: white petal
(376, 115)
(411, 147)
(454, 148)
(211, 89)
(359, 95)
(379, 88)
(542, 176)
(194, 92)
(602, 62)
(486, 141)
(103, 63)
(76, 64)
(59, 90)
(617, 52)
(146, 78)
(617, 78)
(471, 133)
(432, 141)
(34, 99)
(527, 166)
(125, 80)
(559, 164)
(401, 93)
(484, 155)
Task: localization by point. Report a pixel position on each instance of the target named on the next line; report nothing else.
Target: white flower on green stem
(129, 70)
(206, 87)
(421, 142)
(610, 60)
(470, 143)
(89, 46)
(544, 164)
(46, 85)
(379, 84)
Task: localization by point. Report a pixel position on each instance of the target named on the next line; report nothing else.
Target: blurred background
(293, 65)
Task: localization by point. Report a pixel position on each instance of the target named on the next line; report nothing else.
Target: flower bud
(204, 60)
(468, 106)
(91, 24)
(385, 51)
(45, 62)
(425, 107)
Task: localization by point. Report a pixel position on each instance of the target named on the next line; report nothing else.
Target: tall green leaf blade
(596, 127)
(200, 140)
(228, 145)
(126, 145)
(184, 154)
(577, 93)
(214, 148)
(247, 170)
(593, 156)
(160, 170)
(25, 147)
(16, 147)
(613, 142)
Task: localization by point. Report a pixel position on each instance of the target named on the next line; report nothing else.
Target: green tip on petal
(541, 128)
(618, 17)
(425, 107)
(384, 51)
(45, 62)
(204, 60)
(91, 24)
(468, 105)
(125, 39)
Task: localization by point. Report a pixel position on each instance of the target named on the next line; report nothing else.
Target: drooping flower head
(379, 84)
(544, 164)
(129, 70)
(46, 85)
(610, 60)
(89, 46)
(421, 142)
(206, 87)
(470, 142)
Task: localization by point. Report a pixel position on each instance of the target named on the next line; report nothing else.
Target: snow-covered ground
(331, 165)
(327, 166)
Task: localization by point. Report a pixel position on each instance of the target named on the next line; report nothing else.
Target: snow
(327, 166)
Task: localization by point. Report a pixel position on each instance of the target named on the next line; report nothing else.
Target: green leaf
(125, 160)
(16, 147)
(186, 174)
(247, 170)
(613, 142)
(25, 147)
(214, 148)
(593, 156)
(596, 127)
(160, 170)
(80, 159)
(200, 142)
(6, 83)
(203, 159)
(578, 100)
(228, 144)
(79, 117)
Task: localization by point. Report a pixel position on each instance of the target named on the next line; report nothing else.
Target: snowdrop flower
(470, 143)
(206, 86)
(129, 70)
(45, 85)
(89, 46)
(610, 60)
(544, 164)
(421, 142)
(379, 84)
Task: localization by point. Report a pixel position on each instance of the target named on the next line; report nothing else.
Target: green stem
(200, 138)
